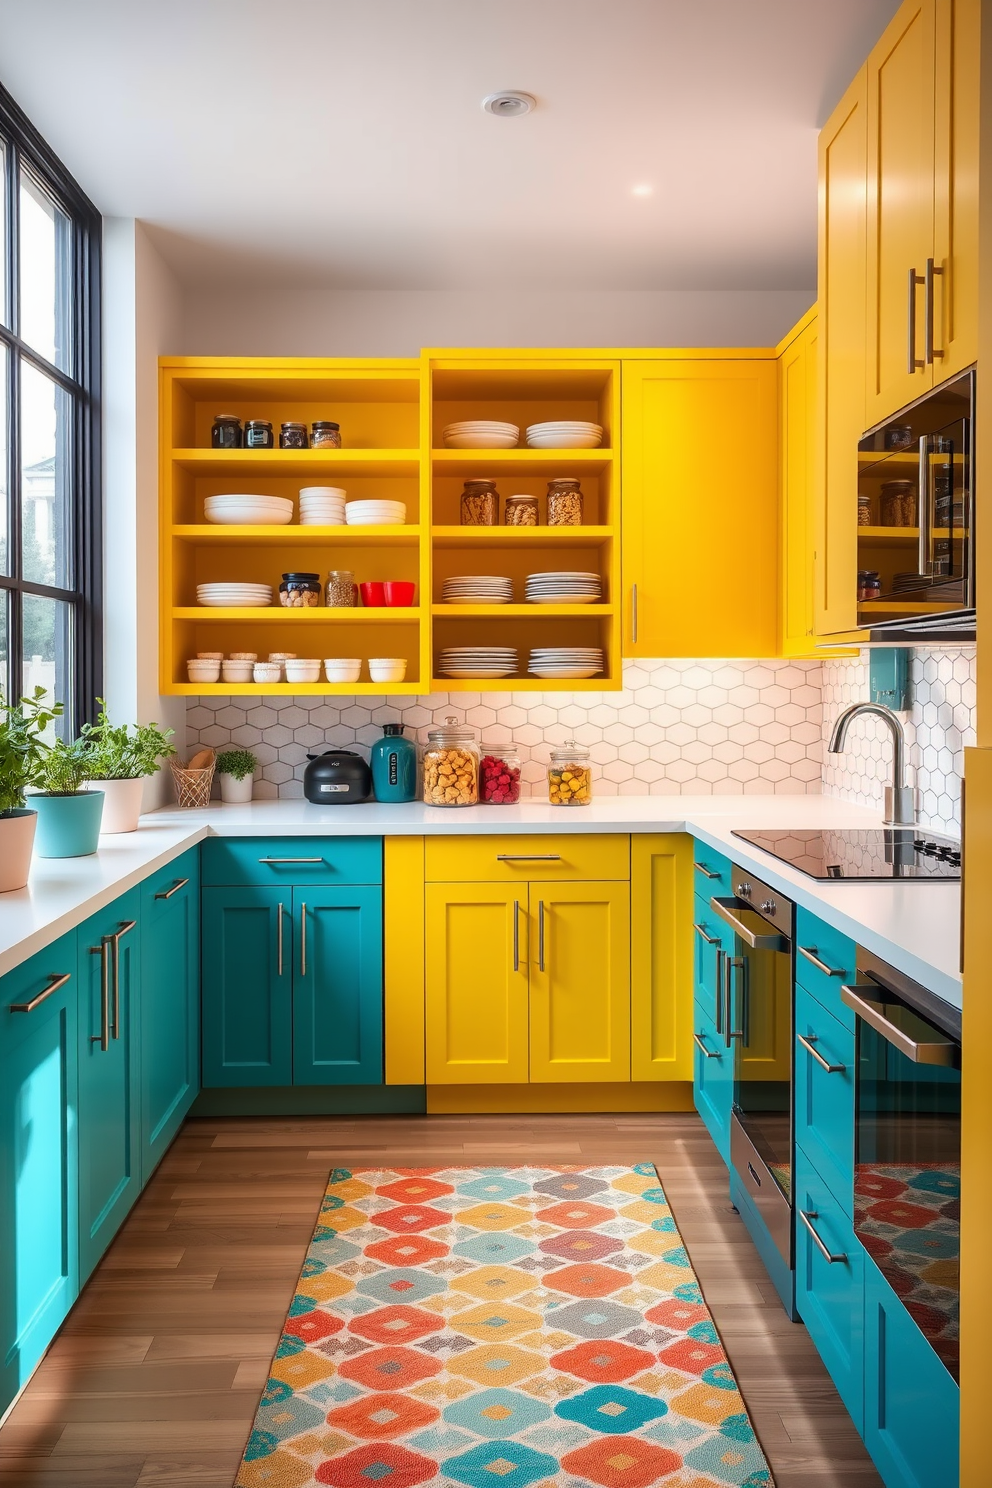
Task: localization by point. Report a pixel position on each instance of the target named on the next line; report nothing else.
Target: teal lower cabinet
(39, 1213)
(169, 1021)
(830, 1283)
(337, 986)
(247, 986)
(108, 1011)
(824, 1094)
(713, 1079)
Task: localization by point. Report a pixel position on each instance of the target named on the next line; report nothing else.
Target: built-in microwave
(916, 557)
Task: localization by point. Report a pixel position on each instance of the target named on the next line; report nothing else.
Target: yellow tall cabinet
(797, 356)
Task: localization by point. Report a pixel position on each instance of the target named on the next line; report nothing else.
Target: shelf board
(898, 607)
(527, 537)
(520, 611)
(521, 461)
(328, 462)
(294, 689)
(393, 536)
(524, 684)
(905, 536)
(316, 615)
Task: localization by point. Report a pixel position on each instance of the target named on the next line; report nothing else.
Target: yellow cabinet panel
(661, 957)
(700, 512)
(403, 926)
(476, 984)
(797, 433)
(519, 859)
(956, 127)
(580, 982)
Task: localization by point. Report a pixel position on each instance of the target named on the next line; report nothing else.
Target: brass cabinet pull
(930, 352)
(103, 951)
(810, 953)
(180, 883)
(540, 935)
(913, 364)
(290, 860)
(807, 1216)
(279, 938)
(709, 939)
(516, 934)
(303, 940)
(697, 1039)
(55, 981)
(633, 614)
(706, 872)
(116, 938)
(807, 1042)
(528, 857)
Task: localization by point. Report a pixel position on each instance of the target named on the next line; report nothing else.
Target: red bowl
(399, 592)
(373, 596)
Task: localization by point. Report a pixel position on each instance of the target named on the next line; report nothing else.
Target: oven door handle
(863, 999)
(725, 909)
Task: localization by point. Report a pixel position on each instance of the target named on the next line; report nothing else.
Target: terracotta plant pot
(235, 792)
(121, 803)
(68, 826)
(17, 830)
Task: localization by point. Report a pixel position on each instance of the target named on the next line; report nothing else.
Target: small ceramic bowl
(343, 668)
(303, 669)
(387, 668)
(267, 671)
(237, 671)
(203, 671)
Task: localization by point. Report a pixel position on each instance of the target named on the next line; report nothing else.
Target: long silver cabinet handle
(516, 934)
(697, 1039)
(930, 352)
(938, 1050)
(303, 940)
(758, 942)
(706, 872)
(103, 951)
(913, 364)
(279, 938)
(807, 1042)
(807, 1216)
(116, 938)
(56, 980)
(290, 860)
(528, 857)
(810, 953)
(709, 939)
(180, 883)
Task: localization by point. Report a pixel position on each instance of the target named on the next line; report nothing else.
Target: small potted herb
(119, 761)
(68, 815)
(22, 727)
(236, 768)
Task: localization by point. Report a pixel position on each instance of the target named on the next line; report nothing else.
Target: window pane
(47, 647)
(4, 449)
(45, 268)
(46, 479)
(4, 643)
(3, 235)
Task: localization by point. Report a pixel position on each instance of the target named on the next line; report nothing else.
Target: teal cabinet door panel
(246, 977)
(109, 1165)
(830, 1291)
(271, 862)
(825, 960)
(337, 986)
(170, 1004)
(824, 1095)
(713, 939)
(912, 1404)
(713, 1079)
(38, 1159)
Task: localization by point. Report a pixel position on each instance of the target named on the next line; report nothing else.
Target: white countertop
(915, 926)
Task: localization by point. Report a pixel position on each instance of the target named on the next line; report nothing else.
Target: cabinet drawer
(830, 1287)
(710, 936)
(711, 872)
(525, 859)
(825, 1097)
(261, 861)
(712, 1079)
(29, 980)
(834, 951)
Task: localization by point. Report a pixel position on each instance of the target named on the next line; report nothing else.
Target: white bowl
(203, 671)
(387, 669)
(342, 669)
(481, 441)
(307, 491)
(267, 671)
(564, 441)
(238, 671)
(303, 670)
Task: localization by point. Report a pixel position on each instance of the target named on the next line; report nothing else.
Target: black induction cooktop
(864, 854)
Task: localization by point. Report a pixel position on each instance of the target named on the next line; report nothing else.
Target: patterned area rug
(500, 1328)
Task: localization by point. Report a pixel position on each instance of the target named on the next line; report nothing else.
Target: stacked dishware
(249, 511)
(322, 506)
(481, 434)
(302, 669)
(564, 588)
(477, 589)
(246, 596)
(375, 513)
(564, 434)
(565, 661)
(484, 662)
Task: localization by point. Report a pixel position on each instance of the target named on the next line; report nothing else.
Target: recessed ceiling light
(509, 105)
(642, 189)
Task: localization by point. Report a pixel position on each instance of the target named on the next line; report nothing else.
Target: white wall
(256, 321)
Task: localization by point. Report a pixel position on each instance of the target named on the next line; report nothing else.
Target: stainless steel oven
(907, 1175)
(757, 1023)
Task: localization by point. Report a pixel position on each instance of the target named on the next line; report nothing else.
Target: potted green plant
(236, 768)
(119, 761)
(22, 727)
(68, 816)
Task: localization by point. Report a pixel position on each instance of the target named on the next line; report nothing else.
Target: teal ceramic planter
(68, 826)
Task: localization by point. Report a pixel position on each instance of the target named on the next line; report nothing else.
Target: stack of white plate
(478, 661)
(252, 596)
(565, 661)
(477, 589)
(564, 588)
(375, 513)
(481, 434)
(322, 506)
(249, 511)
(564, 434)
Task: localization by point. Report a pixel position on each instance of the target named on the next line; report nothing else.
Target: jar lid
(563, 480)
(898, 486)
(340, 573)
(452, 732)
(301, 578)
(868, 573)
(227, 418)
(480, 481)
(523, 497)
(324, 424)
(570, 750)
(509, 747)
(259, 423)
(290, 424)
(392, 730)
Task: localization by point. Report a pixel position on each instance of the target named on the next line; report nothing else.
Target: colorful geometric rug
(500, 1328)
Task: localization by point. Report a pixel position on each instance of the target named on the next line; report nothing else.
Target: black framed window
(50, 477)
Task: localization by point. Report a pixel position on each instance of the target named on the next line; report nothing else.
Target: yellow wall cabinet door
(476, 984)
(661, 988)
(579, 982)
(700, 505)
(797, 435)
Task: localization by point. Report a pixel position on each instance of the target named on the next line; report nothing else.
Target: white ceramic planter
(235, 792)
(121, 803)
(16, 843)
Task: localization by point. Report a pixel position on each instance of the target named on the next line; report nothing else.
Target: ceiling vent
(509, 105)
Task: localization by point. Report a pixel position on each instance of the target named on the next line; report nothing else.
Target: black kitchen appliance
(338, 777)
(910, 854)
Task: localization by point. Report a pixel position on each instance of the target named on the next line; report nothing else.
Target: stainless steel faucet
(900, 798)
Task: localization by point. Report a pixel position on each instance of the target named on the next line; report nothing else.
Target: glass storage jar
(520, 511)
(570, 775)
(258, 434)
(325, 435)
(898, 503)
(499, 775)
(226, 432)
(299, 590)
(564, 503)
(869, 584)
(864, 509)
(451, 765)
(339, 592)
(293, 436)
(480, 504)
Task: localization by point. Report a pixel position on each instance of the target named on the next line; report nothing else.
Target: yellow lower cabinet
(476, 983)
(661, 956)
(579, 982)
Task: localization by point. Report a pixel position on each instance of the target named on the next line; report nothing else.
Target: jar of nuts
(480, 504)
(564, 503)
(570, 775)
(520, 511)
(340, 590)
(451, 765)
(299, 590)
(898, 503)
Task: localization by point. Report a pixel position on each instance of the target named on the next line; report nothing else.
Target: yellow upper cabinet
(797, 448)
(700, 518)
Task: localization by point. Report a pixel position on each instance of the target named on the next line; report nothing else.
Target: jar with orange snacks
(570, 775)
(451, 765)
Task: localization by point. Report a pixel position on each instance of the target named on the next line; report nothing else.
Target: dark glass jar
(226, 432)
(325, 435)
(293, 436)
(869, 584)
(258, 434)
(299, 591)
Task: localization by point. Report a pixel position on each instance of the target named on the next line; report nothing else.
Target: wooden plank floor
(154, 1379)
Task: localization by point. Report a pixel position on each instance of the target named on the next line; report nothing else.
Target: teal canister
(394, 765)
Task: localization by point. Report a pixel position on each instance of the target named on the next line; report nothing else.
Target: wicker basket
(192, 786)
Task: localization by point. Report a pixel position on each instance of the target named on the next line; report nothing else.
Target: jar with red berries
(499, 775)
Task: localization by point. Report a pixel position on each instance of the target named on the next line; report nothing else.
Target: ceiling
(341, 143)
